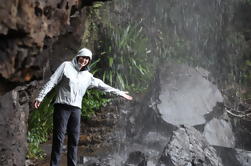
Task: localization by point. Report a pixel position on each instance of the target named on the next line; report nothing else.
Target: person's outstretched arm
(54, 79)
(101, 85)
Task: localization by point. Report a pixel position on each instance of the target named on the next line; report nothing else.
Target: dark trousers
(65, 118)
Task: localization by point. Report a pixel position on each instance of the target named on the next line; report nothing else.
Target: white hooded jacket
(73, 83)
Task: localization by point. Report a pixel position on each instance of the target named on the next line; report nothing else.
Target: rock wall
(14, 109)
(29, 31)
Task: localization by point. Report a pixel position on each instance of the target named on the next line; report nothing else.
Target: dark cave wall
(28, 28)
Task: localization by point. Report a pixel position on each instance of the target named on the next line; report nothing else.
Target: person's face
(83, 61)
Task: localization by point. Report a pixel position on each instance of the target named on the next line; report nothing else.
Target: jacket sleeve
(95, 82)
(54, 80)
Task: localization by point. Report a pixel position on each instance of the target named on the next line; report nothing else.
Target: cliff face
(35, 36)
(28, 28)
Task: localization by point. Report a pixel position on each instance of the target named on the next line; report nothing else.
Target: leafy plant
(98, 4)
(40, 126)
(125, 58)
(92, 101)
(123, 51)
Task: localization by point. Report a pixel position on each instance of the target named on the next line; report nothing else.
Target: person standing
(73, 79)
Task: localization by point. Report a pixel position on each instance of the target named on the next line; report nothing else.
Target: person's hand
(126, 96)
(37, 104)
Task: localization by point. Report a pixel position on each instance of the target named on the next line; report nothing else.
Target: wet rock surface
(136, 158)
(97, 135)
(244, 157)
(186, 95)
(233, 156)
(207, 112)
(213, 133)
(229, 156)
(14, 110)
(32, 31)
(188, 147)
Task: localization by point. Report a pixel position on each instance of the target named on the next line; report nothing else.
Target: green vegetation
(92, 101)
(122, 52)
(125, 58)
(97, 5)
(40, 126)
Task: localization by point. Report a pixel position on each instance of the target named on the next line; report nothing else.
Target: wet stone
(219, 132)
(228, 156)
(136, 158)
(188, 147)
(186, 95)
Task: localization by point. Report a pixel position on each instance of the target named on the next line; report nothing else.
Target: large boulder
(186, 95)
(188, 147)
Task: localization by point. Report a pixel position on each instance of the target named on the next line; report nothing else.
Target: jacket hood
(84, 52)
